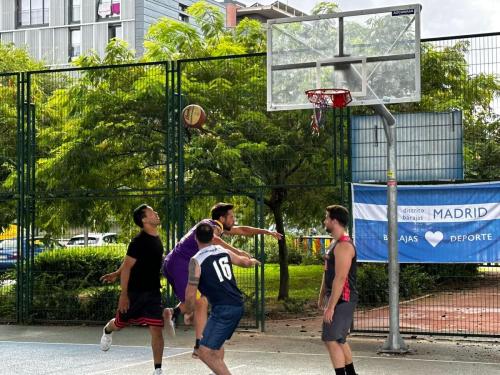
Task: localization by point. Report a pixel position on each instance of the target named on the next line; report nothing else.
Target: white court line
(137, 364)
(82, 344)
(231, 368)
(262, 352)
(363, 357)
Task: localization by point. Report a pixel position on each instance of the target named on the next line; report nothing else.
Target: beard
(227, 227)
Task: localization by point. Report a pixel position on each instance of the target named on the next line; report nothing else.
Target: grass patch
(305, 281)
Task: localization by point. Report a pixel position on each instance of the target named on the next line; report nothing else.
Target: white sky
(439, 17)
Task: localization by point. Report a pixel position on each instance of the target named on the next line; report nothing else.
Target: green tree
(12, 59)
(447, 84)
(248, 148)
(103, 131)
(325, 7)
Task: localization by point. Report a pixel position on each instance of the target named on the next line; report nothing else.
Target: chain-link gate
(98, 145)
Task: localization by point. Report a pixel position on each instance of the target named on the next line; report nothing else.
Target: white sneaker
(169, 323)
(158, 371)
(106, 340)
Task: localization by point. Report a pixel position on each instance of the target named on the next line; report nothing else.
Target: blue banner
(436, 223)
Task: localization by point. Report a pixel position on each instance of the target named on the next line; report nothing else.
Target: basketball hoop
(322, 99)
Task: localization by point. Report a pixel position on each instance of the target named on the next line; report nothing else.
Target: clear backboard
(374, 53)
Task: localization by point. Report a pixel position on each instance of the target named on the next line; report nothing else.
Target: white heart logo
(434, 238)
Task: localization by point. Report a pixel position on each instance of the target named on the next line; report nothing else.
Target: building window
(32, 12)
(108, 9)
(74, 43)
(115, 31)
(183, 16)
(74, 10)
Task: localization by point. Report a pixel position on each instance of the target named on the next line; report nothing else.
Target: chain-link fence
(98, 141)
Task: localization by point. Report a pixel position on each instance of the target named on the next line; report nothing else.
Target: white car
(93, 239)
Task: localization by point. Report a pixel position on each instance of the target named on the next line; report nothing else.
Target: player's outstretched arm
(251, 231)
(192, 287)
(219, 241)
(243, 261)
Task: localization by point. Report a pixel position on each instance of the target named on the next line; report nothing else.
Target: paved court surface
(291, 347)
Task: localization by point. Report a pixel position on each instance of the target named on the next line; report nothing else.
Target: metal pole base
(394, 344)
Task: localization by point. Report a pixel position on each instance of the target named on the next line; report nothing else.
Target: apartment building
(57, 31)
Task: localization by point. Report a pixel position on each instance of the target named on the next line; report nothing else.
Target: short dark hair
(339, 213)
(204, 233)
(220, 209)
(139, 214)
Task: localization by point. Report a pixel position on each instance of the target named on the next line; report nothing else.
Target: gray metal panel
(20, 38)
(101, 38)
(127, 9)
(33, 43)
(57, 13)
(46, 45)
(61, 46)
(7, 15)
(89, 11)
(7, 37)
(430, 147)
(128, 30)
(87, 38)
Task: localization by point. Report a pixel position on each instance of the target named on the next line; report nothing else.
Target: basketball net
(322, 99)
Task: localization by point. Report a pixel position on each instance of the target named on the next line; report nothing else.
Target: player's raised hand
(276, 235)
(255, 262)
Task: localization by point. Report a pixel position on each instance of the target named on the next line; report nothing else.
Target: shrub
(414, 281)
(78, 267)
(67, 286)
(8, 302)
(372, 284)
(308, 260)
(271, 250)
(98, 303)
(451, 272)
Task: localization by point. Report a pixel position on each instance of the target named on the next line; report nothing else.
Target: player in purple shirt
(176, 264)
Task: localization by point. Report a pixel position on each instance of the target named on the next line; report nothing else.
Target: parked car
(8, 249)
(94, 239)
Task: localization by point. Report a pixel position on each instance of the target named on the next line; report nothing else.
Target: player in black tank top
(338, 294)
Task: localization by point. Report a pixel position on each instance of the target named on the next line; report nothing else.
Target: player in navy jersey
(338, 295)
(211, 272)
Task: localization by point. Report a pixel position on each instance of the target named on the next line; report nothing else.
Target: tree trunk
(276, 207)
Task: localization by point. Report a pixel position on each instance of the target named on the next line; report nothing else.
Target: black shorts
(339, 328)
(145, 309)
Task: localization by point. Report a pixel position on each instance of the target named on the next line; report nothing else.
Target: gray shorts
(338, 329)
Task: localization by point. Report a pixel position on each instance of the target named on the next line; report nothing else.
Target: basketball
(194, 116)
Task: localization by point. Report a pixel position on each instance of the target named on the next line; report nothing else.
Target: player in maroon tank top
(338, 295)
